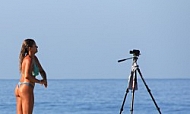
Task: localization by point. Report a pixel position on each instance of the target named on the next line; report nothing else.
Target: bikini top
(35, 71)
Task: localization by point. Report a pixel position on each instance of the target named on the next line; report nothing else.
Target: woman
(30, 67)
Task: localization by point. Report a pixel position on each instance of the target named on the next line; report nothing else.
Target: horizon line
(95, 78)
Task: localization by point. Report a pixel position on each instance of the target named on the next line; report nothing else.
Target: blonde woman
(30, 67)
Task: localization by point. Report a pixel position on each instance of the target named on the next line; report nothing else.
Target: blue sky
(83, 39)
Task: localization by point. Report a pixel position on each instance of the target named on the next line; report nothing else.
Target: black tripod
(133, 83)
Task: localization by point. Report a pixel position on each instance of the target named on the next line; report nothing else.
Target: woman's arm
(42, 71)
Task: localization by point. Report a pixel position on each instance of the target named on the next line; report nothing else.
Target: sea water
(101, 96)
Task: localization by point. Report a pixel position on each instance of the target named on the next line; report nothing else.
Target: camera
(135, 52)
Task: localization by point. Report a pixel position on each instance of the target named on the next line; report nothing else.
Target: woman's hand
(44, 82)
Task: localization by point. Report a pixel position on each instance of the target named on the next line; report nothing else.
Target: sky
(84, 39)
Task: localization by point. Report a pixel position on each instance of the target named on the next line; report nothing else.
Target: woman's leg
(27, 99)
(32, 102)
(18, 101)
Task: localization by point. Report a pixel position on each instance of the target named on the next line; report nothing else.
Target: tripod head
(135, 53)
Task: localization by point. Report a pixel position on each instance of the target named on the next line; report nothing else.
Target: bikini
(35, 72)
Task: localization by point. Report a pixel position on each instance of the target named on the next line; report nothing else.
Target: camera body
(135, 52)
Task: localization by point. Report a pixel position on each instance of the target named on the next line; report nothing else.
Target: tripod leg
(132, 102)
(133, 90)
(149, 91)
(130, 86)
(124, 101)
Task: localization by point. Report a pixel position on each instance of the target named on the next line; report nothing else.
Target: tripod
(133, 84)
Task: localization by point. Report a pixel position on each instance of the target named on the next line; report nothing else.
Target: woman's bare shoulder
(27, 59)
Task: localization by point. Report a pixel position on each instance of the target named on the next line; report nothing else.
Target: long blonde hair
(25, 50)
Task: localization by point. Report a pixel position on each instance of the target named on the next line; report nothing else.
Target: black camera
(135, 52)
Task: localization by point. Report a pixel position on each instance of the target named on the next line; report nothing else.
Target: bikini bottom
(26, 83)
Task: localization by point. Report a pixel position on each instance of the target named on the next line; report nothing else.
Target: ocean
(101, 96)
